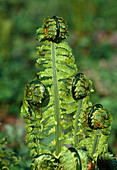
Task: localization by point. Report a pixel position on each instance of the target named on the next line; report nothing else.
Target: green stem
(96, 139)
(56, 102)
(78, 112)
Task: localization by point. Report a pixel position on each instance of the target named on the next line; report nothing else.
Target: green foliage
(7, 157)
(69, 160)
(92, 36)
(73, 119)
(12, 50)
(15, 143)
(65, 69)
(45, 161)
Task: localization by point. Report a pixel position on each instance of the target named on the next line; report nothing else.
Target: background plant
(8, 158)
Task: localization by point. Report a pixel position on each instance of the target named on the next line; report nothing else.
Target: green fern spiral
(106, 161)
(81, 86)
(99, 117)
(53, 29)
(37, 94)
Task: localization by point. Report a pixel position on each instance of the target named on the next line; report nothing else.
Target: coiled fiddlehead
(36, 97)
(81, 86)
(99, 117)
(97, 121)
(54, 29)
(106, 161)
(37, 94)
(78, 165)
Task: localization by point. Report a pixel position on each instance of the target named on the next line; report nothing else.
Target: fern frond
(65, 69)
(44, 162)
(57, 110)
(7, 157)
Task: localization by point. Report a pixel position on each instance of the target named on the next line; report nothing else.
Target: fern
(56, 70)
(57, 109)
(45, 161)
(7, 157)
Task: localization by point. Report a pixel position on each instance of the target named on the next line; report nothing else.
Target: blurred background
(93, 37)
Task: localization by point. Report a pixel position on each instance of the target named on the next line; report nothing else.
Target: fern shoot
(64, 130)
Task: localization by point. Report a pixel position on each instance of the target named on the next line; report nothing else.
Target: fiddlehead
(106, 161)
(99, 117)
(97, 121)
(81, 87)
(86, 160)
(53, 29)
(37, 94)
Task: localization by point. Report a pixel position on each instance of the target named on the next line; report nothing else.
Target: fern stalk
(78, 112)
(96, 139)
(56, 102)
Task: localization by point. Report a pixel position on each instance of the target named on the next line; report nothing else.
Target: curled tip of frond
(98, 117)
(81, 86)
(53, 29)
(106, 161)
(37, 94)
